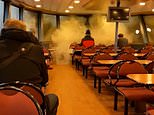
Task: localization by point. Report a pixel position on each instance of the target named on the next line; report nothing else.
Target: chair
(100, 71)
(135, 94)
(15, 101)
(150, 67)
(150, 56)
(85, 60)
(128, 50)
(43, 100)
(123, 68)
(77, 54)
(126, 56)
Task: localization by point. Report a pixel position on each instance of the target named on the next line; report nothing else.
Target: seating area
(112, 67)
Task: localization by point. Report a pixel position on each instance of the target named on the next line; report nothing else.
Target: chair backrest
(30, 88)
(15, 101)
(150, 56)
(107, 50)
(88, 43)
(128, 50)
(130, 67)
(150, 67)
(122, 68)
(126, 56)
(103, 56)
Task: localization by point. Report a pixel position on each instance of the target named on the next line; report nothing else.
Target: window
(49, 26)
(14, 12)
(1, 13)
(131, 30)
(30, 18)
(149, 21)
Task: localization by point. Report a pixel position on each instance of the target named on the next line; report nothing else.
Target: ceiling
(85, 6)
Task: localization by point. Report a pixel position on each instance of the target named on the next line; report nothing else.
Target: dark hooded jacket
(29, 67)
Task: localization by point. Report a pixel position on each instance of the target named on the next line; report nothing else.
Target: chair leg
(95, 81)
(86, 70)
(83, 70)
(126, 107)
(115, 100)
(99, 85)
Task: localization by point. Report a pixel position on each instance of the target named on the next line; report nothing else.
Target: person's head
(120, 35)
(88, 32)
(13, 23)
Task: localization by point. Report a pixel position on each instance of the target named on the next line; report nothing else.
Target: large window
(1, 13)
(30, 18)
(149, 20)
(131, 30)
(49, 26)
(14, 12)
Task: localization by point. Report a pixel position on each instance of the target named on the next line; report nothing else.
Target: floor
(77, 95)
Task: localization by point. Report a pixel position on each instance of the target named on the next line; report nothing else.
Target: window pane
(49, 26)
(30, 18)
(131, 30)
(14, 11)
(1, 13)
(149, 20)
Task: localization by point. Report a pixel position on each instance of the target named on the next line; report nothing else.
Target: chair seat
(137, 94)
(100, 68)
(85, 62)
(101, 73)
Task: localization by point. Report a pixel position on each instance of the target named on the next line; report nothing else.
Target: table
(147, 79)
(115, 61)
(135, 54)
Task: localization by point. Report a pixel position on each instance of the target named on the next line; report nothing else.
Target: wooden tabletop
(115, 61)
(89, 54)
(147, 79)
(135, 54)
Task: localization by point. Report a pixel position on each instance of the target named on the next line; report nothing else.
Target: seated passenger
(122, 41)
(28, 66)
(22, 59)
(87, 41)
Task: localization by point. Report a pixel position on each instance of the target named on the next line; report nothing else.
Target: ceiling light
(67, 11)
(149, 29)
(76, 1)
(38, 6)
(137, 31)
(153, 10)
(70, 7)
(142, 3)
(36, 0)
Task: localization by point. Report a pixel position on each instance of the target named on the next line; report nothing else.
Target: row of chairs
(115, 73)
(21, 98)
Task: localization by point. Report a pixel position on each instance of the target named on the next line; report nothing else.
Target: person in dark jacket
(30, 67)
(87, 41)
(122, 42)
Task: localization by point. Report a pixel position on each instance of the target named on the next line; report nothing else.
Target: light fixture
(36, 0)
(70, 7)
(142, 3)
(137, 31)
(38, 6)
(148, 29)
(67, 11)
(153, 10)
(76, 1)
